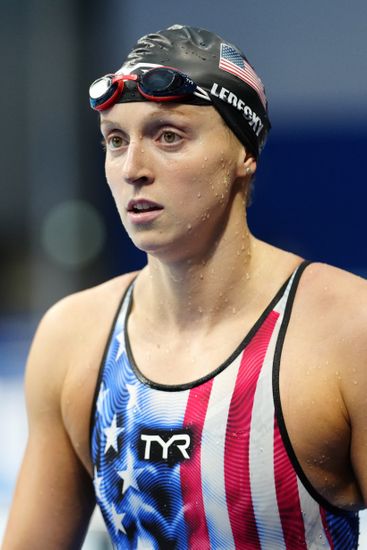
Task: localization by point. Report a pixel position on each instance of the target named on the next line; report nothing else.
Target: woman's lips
(143, 210)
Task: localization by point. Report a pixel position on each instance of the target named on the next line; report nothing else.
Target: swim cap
(218, 67)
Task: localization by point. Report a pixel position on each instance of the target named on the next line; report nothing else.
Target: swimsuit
(208, 464)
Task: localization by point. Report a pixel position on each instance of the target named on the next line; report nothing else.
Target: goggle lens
(159, 84)
(159, 81)
(100, 87)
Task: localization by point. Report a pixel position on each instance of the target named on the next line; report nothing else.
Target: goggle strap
(117, 86)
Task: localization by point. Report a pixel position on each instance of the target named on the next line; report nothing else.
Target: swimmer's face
(173, 171)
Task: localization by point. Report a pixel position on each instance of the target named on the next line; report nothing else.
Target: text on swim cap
(253, 119)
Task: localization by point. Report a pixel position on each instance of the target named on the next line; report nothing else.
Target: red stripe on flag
(236, 467)
(190, 470)
(247, 75)
(286, 487)
(232, 68)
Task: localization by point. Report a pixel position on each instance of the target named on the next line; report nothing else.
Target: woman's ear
(247, 165)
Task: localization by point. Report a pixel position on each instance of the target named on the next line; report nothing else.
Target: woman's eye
(114, 142)
(170, 137)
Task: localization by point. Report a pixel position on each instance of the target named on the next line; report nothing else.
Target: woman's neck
(187, 292)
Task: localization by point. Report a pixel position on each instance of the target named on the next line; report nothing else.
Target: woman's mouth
(143, 211)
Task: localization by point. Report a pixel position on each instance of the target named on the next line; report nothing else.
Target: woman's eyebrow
(169, 114)
(109, 123)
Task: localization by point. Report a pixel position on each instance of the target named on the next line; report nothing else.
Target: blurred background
(59, 231)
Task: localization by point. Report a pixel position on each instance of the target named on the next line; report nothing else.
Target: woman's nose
(136, 166)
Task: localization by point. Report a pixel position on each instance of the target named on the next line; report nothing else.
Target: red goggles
(158, 84)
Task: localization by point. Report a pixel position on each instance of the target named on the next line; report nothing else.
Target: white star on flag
(101, 397)
(112, 434)
(97, 481)
(132, 395)
(121, 340)
(117, 520)
(129, 474)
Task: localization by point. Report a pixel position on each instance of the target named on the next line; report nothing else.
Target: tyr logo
(169, 446)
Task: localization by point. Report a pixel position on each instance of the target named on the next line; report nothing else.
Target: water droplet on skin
(199, 195)
(247, 276)
(200, 309)
(234, 310)
(201, 276)
(189, 226)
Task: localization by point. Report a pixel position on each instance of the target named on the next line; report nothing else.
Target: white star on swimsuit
(117, 520)
(129, 474)
(101, 397)
(97, 481)
(112, 434)
(143, 543)
(121, 340)
(132, 395)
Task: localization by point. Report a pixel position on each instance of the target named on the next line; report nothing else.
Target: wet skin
(206, 282)
(185, 160)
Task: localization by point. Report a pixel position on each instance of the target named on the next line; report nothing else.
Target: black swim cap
(215, 65)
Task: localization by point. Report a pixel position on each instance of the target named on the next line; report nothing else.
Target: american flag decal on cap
(232, 62)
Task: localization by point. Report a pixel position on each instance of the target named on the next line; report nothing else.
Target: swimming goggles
(158, 84)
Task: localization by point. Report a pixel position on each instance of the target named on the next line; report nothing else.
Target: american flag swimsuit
(207, 465)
